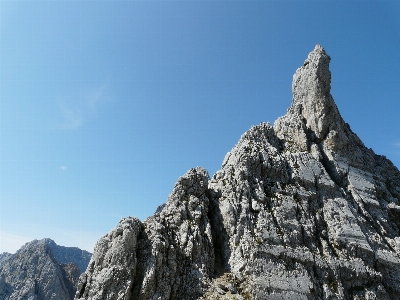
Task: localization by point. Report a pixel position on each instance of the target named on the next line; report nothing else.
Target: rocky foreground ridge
(41, 270)
(299, 210)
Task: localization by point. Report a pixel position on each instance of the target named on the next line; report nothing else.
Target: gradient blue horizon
(105, 104)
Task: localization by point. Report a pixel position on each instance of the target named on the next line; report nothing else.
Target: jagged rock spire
(314, 74)
(311, 94)
(313, 116)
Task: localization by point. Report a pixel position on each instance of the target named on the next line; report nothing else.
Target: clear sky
(104, 104)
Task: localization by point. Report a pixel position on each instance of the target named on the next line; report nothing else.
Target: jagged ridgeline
(299, 210)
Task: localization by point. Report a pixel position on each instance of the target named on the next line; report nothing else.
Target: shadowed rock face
(66, 255)
(299, 210)
(35, 273)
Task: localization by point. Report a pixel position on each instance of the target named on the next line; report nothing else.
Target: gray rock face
(299, 210)
(114, 258)
(34, 273)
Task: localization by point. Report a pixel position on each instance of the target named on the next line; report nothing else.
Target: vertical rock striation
(299, 210)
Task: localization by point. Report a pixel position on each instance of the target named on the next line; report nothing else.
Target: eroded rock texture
(299, 210)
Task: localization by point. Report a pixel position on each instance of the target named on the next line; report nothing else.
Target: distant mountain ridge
(68, 254)
(41, 270)
(299, 210)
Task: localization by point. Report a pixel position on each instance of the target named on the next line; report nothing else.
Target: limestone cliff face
(299, 210)
(38, 272)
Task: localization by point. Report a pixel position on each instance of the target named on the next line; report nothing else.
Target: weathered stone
(111, 270)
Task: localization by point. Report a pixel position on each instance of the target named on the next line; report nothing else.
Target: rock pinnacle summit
(313, 115)
(300, 210)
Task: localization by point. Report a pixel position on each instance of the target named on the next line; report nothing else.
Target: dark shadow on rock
(70, 273)
(143, 253)
(219, 235)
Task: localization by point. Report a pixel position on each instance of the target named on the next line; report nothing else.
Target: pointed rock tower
(313, 116)
(299, 210)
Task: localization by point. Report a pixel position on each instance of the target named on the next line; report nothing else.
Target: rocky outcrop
(34, 272)
(299, 210)
(169, 256)
(114, 258)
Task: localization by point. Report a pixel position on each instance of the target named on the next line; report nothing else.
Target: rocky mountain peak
(298, 210)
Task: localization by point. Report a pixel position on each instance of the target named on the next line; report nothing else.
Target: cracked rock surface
(299, 210)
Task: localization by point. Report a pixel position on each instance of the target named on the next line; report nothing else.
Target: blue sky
(105, 104)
